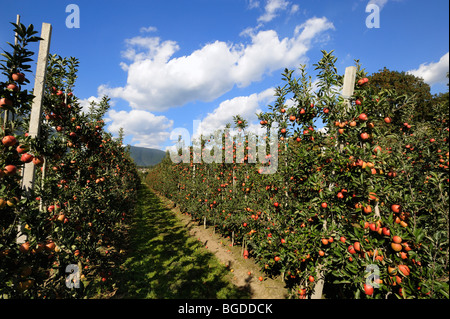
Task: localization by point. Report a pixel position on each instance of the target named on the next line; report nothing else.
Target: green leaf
(342, 282)
(443, 292)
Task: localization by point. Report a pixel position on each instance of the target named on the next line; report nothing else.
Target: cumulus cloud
(272, 8)
(146, 129)
(153, 49)
(434, 72)
(245, 106)
(295, 8)
(158, 81)
(379, 3)
(253, 4)
(148, 29)
(86, 103)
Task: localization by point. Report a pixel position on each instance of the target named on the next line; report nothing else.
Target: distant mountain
(143, 156)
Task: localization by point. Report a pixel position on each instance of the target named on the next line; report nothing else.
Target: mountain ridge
(143, 156)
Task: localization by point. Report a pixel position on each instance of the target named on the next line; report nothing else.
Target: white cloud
(148, 29)
(146, 129)
(434, 72)
(253, 4)
(379, 3)
(245, 106)
(295, 8)
(272, 8)
(154, 50)
(308, 31)
(158, 81)
(86, 103)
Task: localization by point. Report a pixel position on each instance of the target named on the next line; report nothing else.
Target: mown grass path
(164, 262)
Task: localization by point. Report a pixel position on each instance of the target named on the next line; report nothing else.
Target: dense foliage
(361, 204)
(85, 183)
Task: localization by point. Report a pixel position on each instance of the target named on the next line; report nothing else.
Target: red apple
(10, 170)
(363, 117)
(9, 140)
(368, 289)
(351, 249)
(18, 77)
(12, 87)
(5, 102)
(38, 161)
(26, 158)
(21, 149)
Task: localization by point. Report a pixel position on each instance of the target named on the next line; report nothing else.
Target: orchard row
(356, 209)
(84, 188)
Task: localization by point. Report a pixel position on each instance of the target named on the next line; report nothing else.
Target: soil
(232, 258)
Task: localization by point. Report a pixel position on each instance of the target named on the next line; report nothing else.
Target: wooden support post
(36, 110)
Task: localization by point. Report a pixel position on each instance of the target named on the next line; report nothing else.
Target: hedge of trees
(85, 184)
(359, 205)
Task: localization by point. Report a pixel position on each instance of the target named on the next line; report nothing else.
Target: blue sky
(166, 63)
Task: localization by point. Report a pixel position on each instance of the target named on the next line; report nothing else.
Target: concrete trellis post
(36, 110)
(35, 117)
(347, 92)
(349, 85)
(348, 89)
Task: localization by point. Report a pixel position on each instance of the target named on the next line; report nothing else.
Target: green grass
(164, 262)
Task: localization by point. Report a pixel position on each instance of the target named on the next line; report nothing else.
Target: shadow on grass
(164, 262)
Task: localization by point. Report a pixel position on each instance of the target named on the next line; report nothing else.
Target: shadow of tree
(164, 262)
